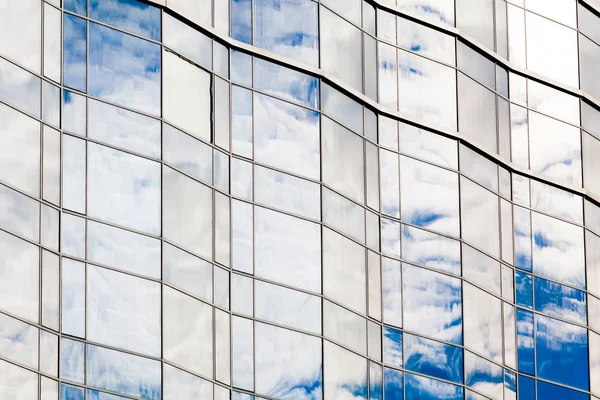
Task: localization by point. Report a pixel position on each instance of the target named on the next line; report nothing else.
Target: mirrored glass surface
(74, 173)
(525, 341)
(123, 311)
(561, 352)
(479, 204)
(426, 90)
(342, 108)
(558, 250)
(432, 304)
(123, 189)
(187, 272)
(288, 364)
(523, 289)
(341, 50)
(123, 373)
(75, 52)
(286, 136)
(388, 76)
(420, 387)
(187, 154)
(123, 128)
(242, 357)
(20, 154)
(431, 250)
(344, 327)
(426, 41)
(481, 269)
(437, 11)
(428, 146)
(288, 250)
(433, 358)
(130, 15)
(477, 112)
(346, 217)
(19, 341)
(187, 41)
(483, 376)
(21, 22)
(429, 196)
(187, 212)
(482, 322)
(72, 354)
(74, 113)
(345, 373)
(242, 236)
(50, 290)
(185, 96)
(178, 384)
(560, 301)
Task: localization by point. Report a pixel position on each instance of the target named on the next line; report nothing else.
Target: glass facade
(298, 199)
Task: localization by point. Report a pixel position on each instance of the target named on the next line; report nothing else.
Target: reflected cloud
(483, 376)
(345, 374)
(288, 28)
(286, 136)
(18, 341)
(432, 304)
(124, 69)
(288, 364)
(130, 15)
(440, 11)
(431, 250)
(418, 387)
(560, 301)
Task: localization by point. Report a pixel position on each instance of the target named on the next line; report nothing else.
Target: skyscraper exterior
(300, 200)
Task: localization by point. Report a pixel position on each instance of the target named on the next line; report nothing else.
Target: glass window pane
(426, 41)
(479, 204)
(481, 269)
(476, 19)
(438, 11)
(344, 327)
(429, 196)
(242, 236)
(178, 384)
(341, 49)
(187, 41)
(428, 146)
(50, 289)
(288, 250)
(433, 358)
(344, 271)
(345, 216)
(342, 108)
(123, 311)
(525, 341)
(483, 322)
(187, 212)
(419, 387)
(130, 15)
(477, 112)
(123, 373)
(427, 90)
(74, 113)
(186, 96)
(286, 136)
(20, 150)
(123, 128)
(484, 377)
(242, 358)
(124, 189)
(288, 364)
(188, 332)
(19, 341)
(21, 22)
(388, 76)
(74, 173)
(75, 52)
(187, 272)
(73, 235)
(345, 374)
(296, 38)
(19, 88)
(187, 154)
(432, 304)
(72, 360)
(431, 250)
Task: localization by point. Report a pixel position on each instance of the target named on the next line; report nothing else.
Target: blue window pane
(525, 340)
(123, 373)
(288, 28)
(376, 381)
(130, 15)
(562, 352)
(241, 68)
(393, 384)
(96, 395)
(560, 301)
(286, 83)
(434, 251)
(76, 6)
(75, 54)
(526, 388)
(434, 359)
(420, 388)
(72, 360)
(68, 392)
(392, 347)
(241, 20)
(522, 221)
(510, 384)
(523, 289)
(548, 391)
(124, 69)
(432, 304)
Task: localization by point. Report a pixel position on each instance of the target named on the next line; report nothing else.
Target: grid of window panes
(372, 201)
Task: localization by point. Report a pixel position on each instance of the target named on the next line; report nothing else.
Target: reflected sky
(123, 311)
(430, 250)
(286, 83)
(186, 271)
(18, 341)
(428, 146)
(342, 108)
(73, 297)
(74, 113)
(392, 292)
(560, 301)
(429, 196)
(241, 20)
(124, 69)
(130, 15)
(345, 374)
(558, 251)
(286, 136)
(394, 382)
(388, 76)
(561, 352)
(548, 391)
(440, 11)
(433, 358)
(526, 388)
(392, 347)
(482, 322)
(72, 360)
(525, 341)
(524, 289)
(484, 376)
(522, 227)
(178, 384)
(123, 373)
(187, 41)
(68, 392)
(510, 385)
(74, 52)
(427, 90)
(480, 269)
(288, 364)
(426, 41)
(421, 388)
(288, 28)
(432, 304)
